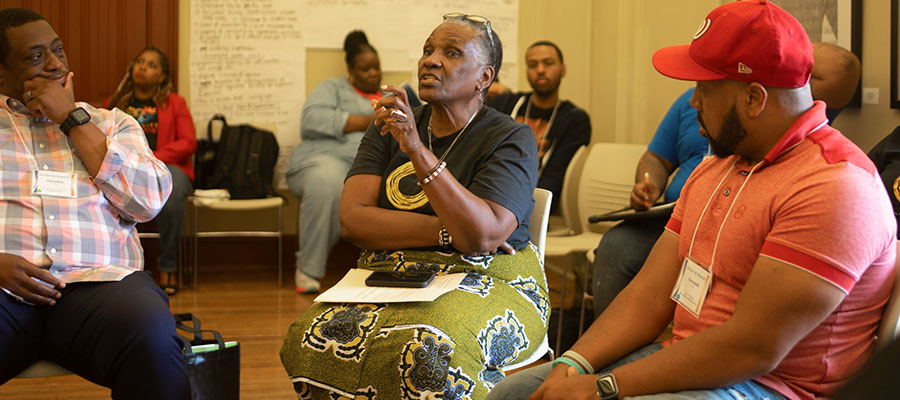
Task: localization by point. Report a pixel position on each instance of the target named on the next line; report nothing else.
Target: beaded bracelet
(568, 361)
(433, 174)
(444, 237)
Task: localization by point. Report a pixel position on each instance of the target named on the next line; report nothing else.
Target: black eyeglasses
(476, 19)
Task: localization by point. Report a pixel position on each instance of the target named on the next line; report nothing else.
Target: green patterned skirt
(451, 348)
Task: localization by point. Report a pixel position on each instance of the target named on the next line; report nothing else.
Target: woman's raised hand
(394, 116)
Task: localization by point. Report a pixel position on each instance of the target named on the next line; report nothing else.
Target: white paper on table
(352, 289)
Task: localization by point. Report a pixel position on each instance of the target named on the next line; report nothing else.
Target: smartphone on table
(407, 279)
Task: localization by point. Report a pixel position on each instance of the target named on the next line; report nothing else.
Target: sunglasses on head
(476, 19)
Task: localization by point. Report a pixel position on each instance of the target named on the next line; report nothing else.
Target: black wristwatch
(76, 117)
(607, 388)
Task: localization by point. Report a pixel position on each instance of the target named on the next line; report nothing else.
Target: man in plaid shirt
(74, 180)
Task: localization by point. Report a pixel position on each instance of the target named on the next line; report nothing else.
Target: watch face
(80, 115)
(607, 387)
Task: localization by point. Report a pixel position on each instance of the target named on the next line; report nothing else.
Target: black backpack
(243, 161)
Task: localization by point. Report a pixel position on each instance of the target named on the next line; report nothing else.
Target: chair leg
(178, 266)
(196, 248)
(584, 298)
(280, 250)
(562, 303)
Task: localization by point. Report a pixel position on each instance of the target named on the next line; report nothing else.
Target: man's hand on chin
(50, 98)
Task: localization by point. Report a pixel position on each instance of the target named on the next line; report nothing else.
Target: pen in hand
(646, 192)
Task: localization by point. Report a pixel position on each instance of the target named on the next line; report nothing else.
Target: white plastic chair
(567, 224)
(890, 320)
(539, 219)
(604, 184)
(538, 228)
(276, 203)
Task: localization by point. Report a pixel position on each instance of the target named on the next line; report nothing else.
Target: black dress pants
(116, 334)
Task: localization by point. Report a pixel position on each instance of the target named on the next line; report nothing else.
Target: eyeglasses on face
(476, 19)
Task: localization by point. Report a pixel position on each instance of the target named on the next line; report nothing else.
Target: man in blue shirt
(676, 147)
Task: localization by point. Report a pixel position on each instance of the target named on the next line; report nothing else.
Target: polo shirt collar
(812, 119)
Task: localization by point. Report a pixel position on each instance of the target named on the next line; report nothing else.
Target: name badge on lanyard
(52, 183)
(691, 287)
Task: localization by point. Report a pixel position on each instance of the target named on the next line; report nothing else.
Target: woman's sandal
(168, 287)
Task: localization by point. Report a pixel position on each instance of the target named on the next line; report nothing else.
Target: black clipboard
(628, 213)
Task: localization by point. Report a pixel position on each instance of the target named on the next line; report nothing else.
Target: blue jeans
(522, 384)
(620, 255)
(170, 220)
(317, 179)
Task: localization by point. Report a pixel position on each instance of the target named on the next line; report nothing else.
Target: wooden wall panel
(163, 31)
(102, 36)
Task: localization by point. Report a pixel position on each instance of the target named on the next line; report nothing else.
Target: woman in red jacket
(147, 93)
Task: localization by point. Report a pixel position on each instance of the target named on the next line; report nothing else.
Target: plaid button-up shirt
(96, 227)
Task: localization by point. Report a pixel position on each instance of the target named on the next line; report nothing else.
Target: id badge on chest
(52, 183)
(691, 286)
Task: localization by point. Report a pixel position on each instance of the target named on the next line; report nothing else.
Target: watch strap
(71, 121)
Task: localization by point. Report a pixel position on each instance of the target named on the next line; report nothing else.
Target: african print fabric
(451, 348)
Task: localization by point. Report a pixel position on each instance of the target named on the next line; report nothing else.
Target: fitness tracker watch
(76, 117)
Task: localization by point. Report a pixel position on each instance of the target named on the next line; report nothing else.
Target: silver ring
(398, 116)
(28, 95)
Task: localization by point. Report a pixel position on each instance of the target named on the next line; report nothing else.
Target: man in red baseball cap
(778, 258)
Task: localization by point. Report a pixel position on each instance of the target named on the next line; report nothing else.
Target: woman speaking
(446, 188)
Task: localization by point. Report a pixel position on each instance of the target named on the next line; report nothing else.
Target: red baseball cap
(750, 41)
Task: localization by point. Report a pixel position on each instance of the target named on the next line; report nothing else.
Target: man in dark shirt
(560, 127)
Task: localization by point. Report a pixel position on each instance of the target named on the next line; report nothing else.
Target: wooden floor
(244, 304)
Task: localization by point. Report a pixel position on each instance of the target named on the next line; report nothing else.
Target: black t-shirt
(495, 159)
(144, 111)
(886, 157)
(571, 129)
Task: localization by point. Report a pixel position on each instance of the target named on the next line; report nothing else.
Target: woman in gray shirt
(335, 116)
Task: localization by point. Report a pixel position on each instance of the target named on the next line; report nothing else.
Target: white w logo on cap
(704, 26)
(744, 69)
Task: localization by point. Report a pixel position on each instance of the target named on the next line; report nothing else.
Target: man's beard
(547, 91)
(731, 134)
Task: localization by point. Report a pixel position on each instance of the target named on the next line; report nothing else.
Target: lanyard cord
(727, 213)
(543, 161)
(719, 233)
(741, 189)
(454, 139)
(31, 156)
(702, 213)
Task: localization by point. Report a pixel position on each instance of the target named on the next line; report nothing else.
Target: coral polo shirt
(816, 203)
